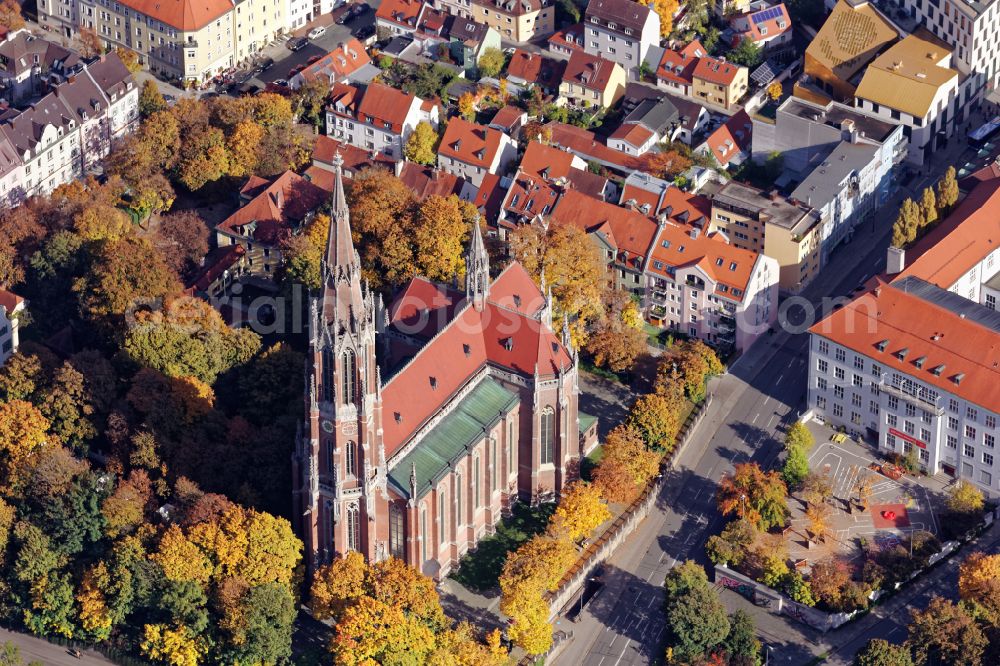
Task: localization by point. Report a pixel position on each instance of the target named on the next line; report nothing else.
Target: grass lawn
(589, 464)
(480, 570)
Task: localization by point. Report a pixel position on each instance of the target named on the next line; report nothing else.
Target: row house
(719, 82)
(426, 181)
(516, 20)
(731, 142)
(29, 65)
(188, 40)
(693, 118)
(765, 25)
(564, 42)
(651, 122)
(460, 40)
(675, 71)
(326, 151)
(270, 212)
(347, 63)
(399, 17)
(11, 307)
(67, 132)
(376, 117)
(623, 31)
(590, 80)
(527, 70)
(686, 280)
(470, 151)
(590, 147)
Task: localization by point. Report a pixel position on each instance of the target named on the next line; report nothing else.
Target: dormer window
(517, 300)
(920, 362)
(901, 354)
(957, 379)
(882, 345)
(719, 261)
(434, 383)
(467, 350)
(508, 344)
(398, 417)
(937, 370)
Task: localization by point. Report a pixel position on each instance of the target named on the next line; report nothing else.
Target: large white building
(916, 363)
(623, 31)
(376, 117)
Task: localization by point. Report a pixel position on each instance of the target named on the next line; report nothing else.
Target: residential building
(850, 38)
(28, 64)
(425, 181)
(806, 133)
(787, 231)
(67, 132)
(376, 117)
(482, 410)
(730, 143)
(564, 42)
(591, 148)
(221, 269)
(526, 70)
(912, 84)
(327, 150)
(516, 20)
(622, 31)
(590, 80)
(675, 71)
(509, 120)
(650, 123)
(459, 40)
(545, 173)
(767, 25)
(270, 211)
(398, 17)
(188, 40)
(693, 118)
(348, 63)
(719, 82)
(470, 151)
(11, 305)
(298, 13)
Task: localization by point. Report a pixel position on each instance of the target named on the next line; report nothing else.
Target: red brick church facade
(478, 410)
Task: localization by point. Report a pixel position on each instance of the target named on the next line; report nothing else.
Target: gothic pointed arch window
(331, 456)
(351, 458)
(476, 490)
(348, 376)
(327, 370)
(397, 535)
(547, 423)
(353, 527)
(442, 517)
(458, 499)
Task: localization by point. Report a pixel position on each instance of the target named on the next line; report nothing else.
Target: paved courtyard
(896, 508)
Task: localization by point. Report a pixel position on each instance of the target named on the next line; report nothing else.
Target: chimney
(398, 167)
(895, 260)
(849, 131)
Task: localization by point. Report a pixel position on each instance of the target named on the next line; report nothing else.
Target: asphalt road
(763, 392)
(50, 654)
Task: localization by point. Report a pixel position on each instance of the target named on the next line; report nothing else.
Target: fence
(600, 549)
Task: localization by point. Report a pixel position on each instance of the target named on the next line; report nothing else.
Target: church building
(426, 420)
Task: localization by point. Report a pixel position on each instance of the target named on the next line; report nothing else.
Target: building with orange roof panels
(348, 62)
(731, 142)
(719, 82)
(271, 212)
(766, 25)
(426, 181)
(425, 422)
(11, 305)
(376, 117)
(588, 146)
(528, 69)
(675, 71)
(590, 80)
(399, 17)
(470, 151)
(702, 286)
(567, 40)
(918, 367)
(660, 199)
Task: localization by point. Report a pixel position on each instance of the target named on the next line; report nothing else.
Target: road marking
(623, 652)
(754, 422)
(780, 377)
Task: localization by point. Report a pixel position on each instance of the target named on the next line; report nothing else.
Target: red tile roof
(678, 66)
(590, 71)
(338, 64)
(731, 138)
(927, 331)
(186, 15)
(355, 159)
(374, 104)
(567, 39)
(960, 241)
(470, 143)
(715, 71)
(535, 68)
(426, 181)
(586, 145)
(684, 207)
(465, 344)
(680, 246)
(508, 117)
(401, 12)
(630, 232)
(9, 300)
(273, 212)
(490, 197)
(632, 133)
(218, 261)
(771, 24)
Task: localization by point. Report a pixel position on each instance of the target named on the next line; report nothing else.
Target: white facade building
(622, 31)
(10, 305)
(376, 117)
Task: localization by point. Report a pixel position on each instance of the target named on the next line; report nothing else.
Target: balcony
(658, 311)
(693, 281)
(727, 324)
(659, 296)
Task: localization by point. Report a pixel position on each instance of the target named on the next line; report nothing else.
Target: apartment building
(471, 151)
(896, 364)
(787, 231)
(590, 80)
(29, 63)
(719, 82)
(11, 305)
(376, 117)
(622, 31)
(188, 40)
(61, 136)
(913, 84)
(298, 13)
(516, 20)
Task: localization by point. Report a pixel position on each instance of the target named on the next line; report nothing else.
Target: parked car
(341, 14)
(295, 70)
(313, 59)
(265, 64)
(316, 32)
(365, 35)
(297, 43)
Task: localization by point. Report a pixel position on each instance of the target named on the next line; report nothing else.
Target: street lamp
(743, 501)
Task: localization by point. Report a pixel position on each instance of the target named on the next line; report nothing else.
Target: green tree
(696, 619)
(880, 652)
(799, 435)
(746, 53)
(150, 99)
(742, 645)
(944, 633)
(798, 589)
(491, 62)
(68, 408)
(268, 616)
(796, 466)
(731, 547)
(421, 146)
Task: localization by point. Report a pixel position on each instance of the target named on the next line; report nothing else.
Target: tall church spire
(340, 251)
(477, 268)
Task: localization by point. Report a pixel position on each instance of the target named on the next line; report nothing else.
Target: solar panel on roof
(766, 15)
(764, 74)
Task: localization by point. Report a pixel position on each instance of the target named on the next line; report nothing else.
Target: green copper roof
(586, 420)
(448, 440)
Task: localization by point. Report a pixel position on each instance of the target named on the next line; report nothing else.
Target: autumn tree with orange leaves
(751, 493)
(626, 466)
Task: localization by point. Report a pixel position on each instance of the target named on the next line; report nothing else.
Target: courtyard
(892, 510)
